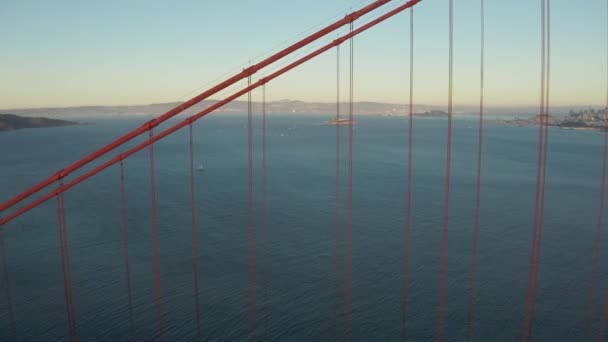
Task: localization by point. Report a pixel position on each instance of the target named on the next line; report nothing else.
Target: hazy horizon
(65, 54)
(430, 105)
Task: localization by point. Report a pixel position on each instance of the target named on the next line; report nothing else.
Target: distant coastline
(11, 122)
(284, 107)
(585, 120)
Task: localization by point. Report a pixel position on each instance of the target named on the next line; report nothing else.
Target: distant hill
(11, 122)
(280, 107)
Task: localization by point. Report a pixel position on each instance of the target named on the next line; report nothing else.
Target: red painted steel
(166, 116)
(265, 213)
(604, 311)
(7, 286)
(194, 235)
(66, 267)
(206, 111)
(338, 185)
(448, 176)
(473, 289)
(349, 236)
(252, 265)
(125, 239)
(157, 281)
(533, 276)
(410, 159)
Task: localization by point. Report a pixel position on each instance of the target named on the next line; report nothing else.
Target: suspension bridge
(32, 207)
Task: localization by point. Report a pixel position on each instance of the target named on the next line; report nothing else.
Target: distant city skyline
(75, 53)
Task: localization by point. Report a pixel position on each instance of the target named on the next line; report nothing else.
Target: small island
(341, 122)
(433, 114)
(11, 122)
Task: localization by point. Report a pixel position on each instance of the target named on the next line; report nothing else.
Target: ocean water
(305, 297)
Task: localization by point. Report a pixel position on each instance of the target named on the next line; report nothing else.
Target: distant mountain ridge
(281, 106)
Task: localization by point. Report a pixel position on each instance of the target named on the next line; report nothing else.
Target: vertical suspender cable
(604, 314)
(63, 266)
(252, 282)
(65, 262)
(194, 235)
(74, 333)
(531, 274)
(125, 239)
(472, 293)
(338, 186)
(448, 174)
(159, 304)
(410, 155)
(7, 287)
(349, 267)
(545, 127)
(540, 183)
(598, 234)
(265, 218)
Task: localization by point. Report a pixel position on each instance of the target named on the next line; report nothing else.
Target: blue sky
(116, 52)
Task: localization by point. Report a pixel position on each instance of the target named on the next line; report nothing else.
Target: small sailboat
(200, 167)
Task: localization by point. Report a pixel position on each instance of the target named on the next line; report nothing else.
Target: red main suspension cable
(125, 239)
(410, 159)
(7, 287)
(173, 112)
(157, 282)
(448, 176)
(472, 292)
(206, 111)
(194, 235)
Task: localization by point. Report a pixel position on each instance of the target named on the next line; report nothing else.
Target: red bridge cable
(166, 116)
(472, 293)
(338, 185)
(604, 313)
(63, 267)
(208, 110)
(157, 282)
(349, 242)
(69, 267)
(7, 287)
(252, 281)
(598, 234)
(65, 263)
(603, 319)
(597, 241)
(540, 183)
(194, 235)
(545, 154)
(265, 212)
(448, 174)
(410, 159)
(125, 239)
